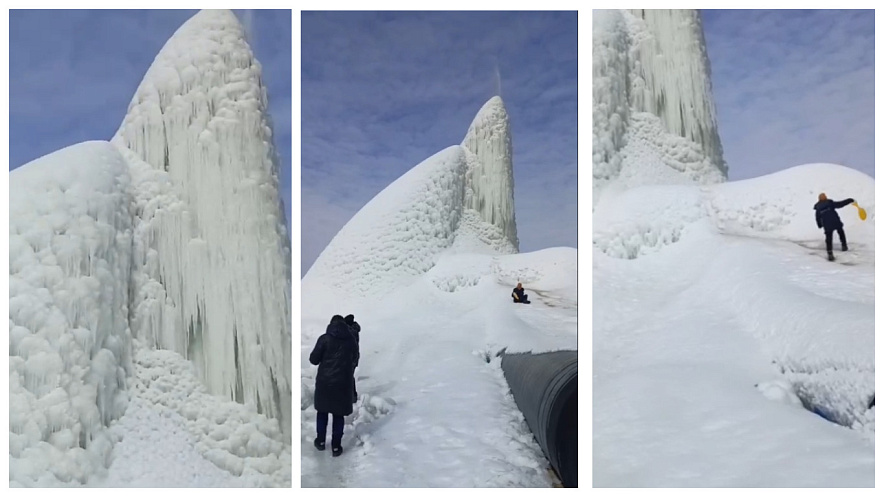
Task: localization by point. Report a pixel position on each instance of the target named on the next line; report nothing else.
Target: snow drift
(427, 267)
(170, 237)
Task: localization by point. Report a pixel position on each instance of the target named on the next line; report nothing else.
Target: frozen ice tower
(214, 279)
(460, 198)
(491, 183)
(653, 114)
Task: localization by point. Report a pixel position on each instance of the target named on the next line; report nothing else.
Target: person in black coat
(829, 221)
(355, 329)
(519, 296)
(336, 354)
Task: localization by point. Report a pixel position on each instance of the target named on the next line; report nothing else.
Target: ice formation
(653, 113)
(170, 237)
(69, 339)
(462, 196)
(490, 191)
(214, 262)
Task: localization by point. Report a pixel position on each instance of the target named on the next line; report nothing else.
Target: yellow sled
(862, 212)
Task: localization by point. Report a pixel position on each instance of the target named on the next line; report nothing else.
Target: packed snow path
(434, 408)
(692, 344)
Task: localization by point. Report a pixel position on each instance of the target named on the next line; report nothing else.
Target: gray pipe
(544, 387)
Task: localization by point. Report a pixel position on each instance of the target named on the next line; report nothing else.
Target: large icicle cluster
(70, 237)
(215, 265)
(461, 197)
(653, 113)
(490, 191)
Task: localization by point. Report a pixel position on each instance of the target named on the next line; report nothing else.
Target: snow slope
(427, 267)
(727, 351)
(176, 243)
(715, 317)
(653, 113)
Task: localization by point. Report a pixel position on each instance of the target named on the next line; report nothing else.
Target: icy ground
(718, 325)
(434, 408)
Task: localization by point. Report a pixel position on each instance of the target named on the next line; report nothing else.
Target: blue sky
(73, 73)
(380, 92)
(793, 87)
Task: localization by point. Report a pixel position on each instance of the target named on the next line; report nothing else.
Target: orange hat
(823, 197)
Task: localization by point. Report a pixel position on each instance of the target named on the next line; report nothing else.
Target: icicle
(199, 120)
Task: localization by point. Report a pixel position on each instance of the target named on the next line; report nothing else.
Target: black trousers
(840, 235)
(337, 427)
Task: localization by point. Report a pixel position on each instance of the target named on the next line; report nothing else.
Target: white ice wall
(216, 280)
(70, 239)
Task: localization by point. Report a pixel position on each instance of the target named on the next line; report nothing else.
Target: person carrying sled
(354, 329)
(335, 353)
(829, 221)
(519, 296)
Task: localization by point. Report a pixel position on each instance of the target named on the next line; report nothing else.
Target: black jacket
(518, 294)
(336, 354)
(826, 217)
(355, 329)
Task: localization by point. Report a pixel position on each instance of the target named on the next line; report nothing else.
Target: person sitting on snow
(336, 354)
(354, 329)
(519, 296)
(829, 221)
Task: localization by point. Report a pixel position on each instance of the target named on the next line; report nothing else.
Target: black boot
(844, 248)
(831, 256)
(319, 444)
(337, 450)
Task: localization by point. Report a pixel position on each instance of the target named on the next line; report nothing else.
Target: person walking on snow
(829, 221)
(354, 329)
(336, 354)
(519, 296)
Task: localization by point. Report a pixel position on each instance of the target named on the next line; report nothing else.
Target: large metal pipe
(544, 387)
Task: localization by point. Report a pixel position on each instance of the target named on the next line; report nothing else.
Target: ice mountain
(653, 112)
(150, 280)
(461, 196)
(427, 267)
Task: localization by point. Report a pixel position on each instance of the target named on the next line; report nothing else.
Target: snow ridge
(216, 247)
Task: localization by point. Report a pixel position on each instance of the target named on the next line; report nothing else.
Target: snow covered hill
(150, 287)
(718, 326)
(427, 267)
(727, 350)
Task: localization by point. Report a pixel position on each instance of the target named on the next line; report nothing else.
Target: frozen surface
(168, 237)
(427, 268)
(653, 113)
(718, 327)
(212, 258)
